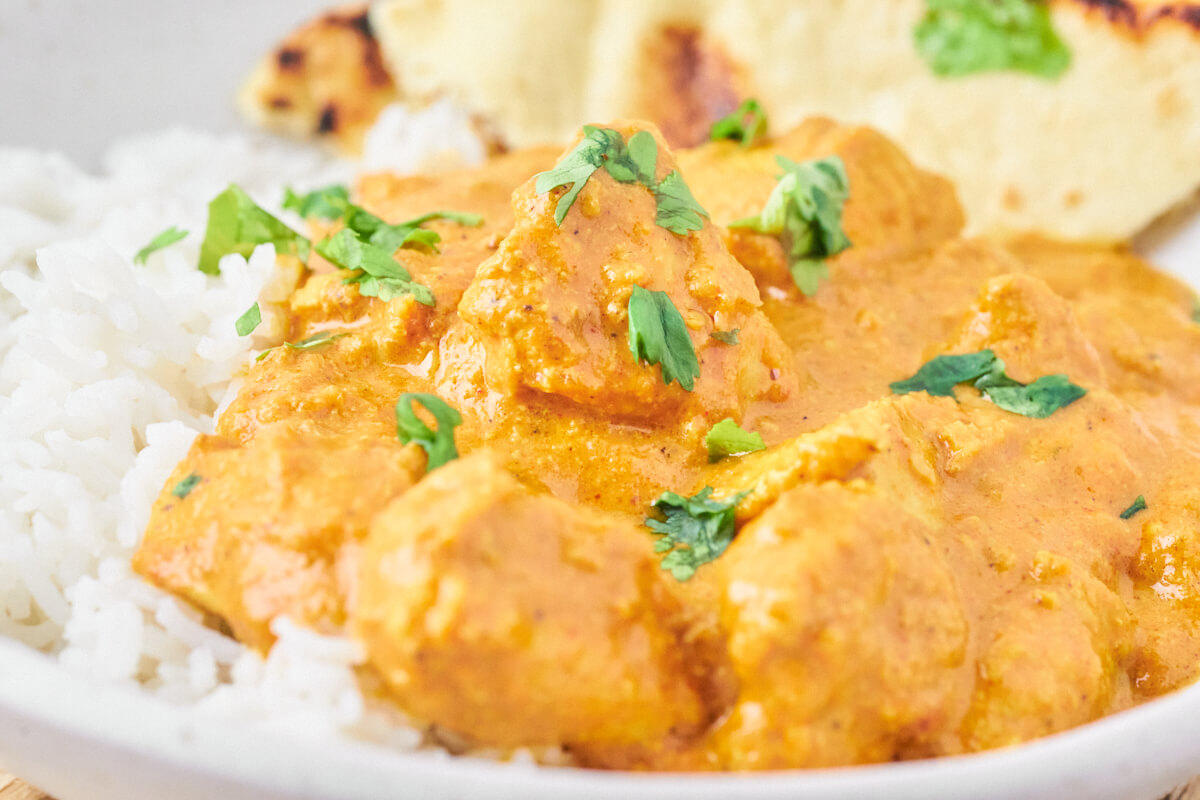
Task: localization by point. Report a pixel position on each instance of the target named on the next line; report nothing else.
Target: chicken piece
(485, 190)
(249, 533)
(1166, 574)
(1033, 330)
(516, 619)
(846, 631)
(894, 210)
(1140, 319)
(1055, 652)
(326, 79)
(550, 307)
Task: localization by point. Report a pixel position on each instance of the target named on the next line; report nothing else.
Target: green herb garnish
(313, 342)
(696, 529)
(1138, 505)
(727, 438)
(962, 37)
(658, 335)
(678, 211)
(605, 148)
(165, 239)
(236, 224)
(438, 445)
(1196, 309)
(726, 337)
(327, 203)
(185, 486)
(939, 376)
(247, 322)
(746, 124)
(377, 273)
(987, 373)
(805, 211)
(333, 203)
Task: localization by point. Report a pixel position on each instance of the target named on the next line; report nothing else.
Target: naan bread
(1096, 154)
(326, 80)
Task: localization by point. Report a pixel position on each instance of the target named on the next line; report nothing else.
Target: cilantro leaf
(165, 239)
(1138, 505)
(185, 486)
(746, 124)
(328, 203)
(727, 438)
(438, 445)
(248, 321)
(805, 211)
(940, 375)
(236, 224)
(576, 168)
(635, 162)
(1039, 399)
(726, 337)
(1196, 309)
(378, 274)
(308, 343)
(333, 203)
(962, 37)
(696, 530)
(409, 234)
(678, 210)
(658, 335)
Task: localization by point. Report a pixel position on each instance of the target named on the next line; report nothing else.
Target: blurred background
(106, 88)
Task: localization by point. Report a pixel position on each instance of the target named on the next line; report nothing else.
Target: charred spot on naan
(1137, 16)
(327, 79)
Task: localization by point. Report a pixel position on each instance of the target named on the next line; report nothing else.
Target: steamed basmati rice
(108, 370)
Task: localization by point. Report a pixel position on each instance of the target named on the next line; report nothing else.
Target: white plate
(81, 80)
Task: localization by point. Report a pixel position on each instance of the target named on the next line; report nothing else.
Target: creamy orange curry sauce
(912, 575)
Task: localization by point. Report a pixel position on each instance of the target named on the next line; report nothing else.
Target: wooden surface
(14, 789)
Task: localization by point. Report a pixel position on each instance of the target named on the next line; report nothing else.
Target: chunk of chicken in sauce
(911, 576)
(518, 619)
(273, 528)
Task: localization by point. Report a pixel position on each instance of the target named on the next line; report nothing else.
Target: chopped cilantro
(185, 486)
(1138, 505)
(939, 376)
(236, 224)
(805, 211)
(678, 210)
(963, 37)
(987, 373)
(377, 273)
(1196, 309)
(438, 445)
(634, 162)
(696, 529)
(1039, 399)
(576, 168)
(746, 124)
(727, 438)
(410, 234)
(327, 203)
(247, 322)
(165, 239)
(309, 343)
(726, 337)
(658, 335)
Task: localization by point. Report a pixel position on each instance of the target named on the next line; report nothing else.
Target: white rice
(108, 370)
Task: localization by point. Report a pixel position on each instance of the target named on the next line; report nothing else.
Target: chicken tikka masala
(732, 458)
